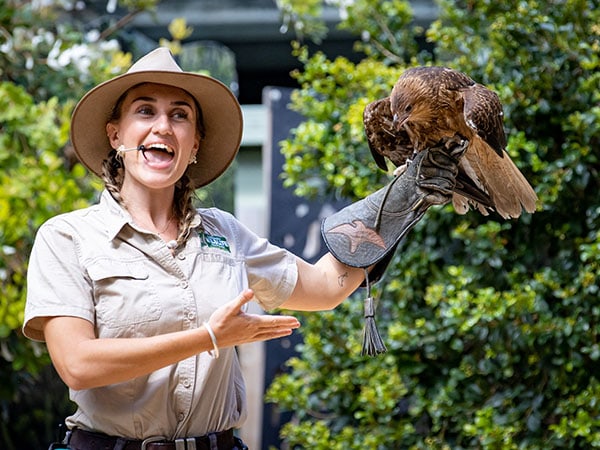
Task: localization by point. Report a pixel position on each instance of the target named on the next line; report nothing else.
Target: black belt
(87, 440)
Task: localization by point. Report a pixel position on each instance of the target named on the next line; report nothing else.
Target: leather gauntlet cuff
(364, 233)
(367, 232)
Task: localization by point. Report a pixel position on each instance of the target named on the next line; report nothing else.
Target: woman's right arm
(84, 361)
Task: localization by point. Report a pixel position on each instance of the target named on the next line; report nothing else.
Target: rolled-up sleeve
(57, 284)
(272, 274)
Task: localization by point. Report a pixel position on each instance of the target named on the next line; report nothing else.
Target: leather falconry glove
(366, 233)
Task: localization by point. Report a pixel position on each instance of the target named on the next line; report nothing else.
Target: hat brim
(220, 109)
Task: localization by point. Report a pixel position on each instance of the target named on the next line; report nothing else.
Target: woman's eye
(146, 110)
(180, 115)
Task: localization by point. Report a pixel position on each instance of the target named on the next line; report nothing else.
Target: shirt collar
(116, 216)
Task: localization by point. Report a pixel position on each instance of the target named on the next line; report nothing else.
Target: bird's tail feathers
(470, 191)
(518, 193)
(509, 190)
(462, 204)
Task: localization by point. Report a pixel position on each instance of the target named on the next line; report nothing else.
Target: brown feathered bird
(431, 104)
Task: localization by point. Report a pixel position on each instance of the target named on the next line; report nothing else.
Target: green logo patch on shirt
(211, 241)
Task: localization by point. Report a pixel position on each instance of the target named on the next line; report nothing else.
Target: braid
(184, 207)
(113, 175)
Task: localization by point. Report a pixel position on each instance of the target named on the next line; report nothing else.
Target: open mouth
(157, 153)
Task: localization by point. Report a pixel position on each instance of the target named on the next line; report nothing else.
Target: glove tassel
(372, 343)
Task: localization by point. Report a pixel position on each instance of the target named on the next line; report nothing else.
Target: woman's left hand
(232, 326)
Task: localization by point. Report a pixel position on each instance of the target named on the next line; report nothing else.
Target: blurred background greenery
(491, 325)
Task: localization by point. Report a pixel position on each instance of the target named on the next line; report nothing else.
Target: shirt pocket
(125, 298)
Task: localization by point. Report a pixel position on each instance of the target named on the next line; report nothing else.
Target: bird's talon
(401, 169)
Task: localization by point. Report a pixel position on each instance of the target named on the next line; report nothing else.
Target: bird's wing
(495, 171)
(483, 113)
(383, 140)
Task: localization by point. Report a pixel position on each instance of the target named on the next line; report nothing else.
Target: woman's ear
(112, 132)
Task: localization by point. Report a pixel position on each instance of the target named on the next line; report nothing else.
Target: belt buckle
(185, 444)
(150, 440)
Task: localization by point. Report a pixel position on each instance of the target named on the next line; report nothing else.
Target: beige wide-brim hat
(220, 109)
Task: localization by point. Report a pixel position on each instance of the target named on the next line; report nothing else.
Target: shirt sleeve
(57, 284)
(272, 274)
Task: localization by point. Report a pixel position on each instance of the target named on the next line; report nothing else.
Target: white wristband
(215, 351)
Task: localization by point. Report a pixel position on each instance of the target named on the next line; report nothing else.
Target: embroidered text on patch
(209, 240)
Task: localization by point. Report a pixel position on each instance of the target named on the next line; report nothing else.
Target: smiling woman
(141, 298)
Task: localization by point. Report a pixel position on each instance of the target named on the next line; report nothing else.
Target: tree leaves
(492, 326)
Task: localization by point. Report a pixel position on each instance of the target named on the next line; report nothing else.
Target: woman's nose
(162, 124)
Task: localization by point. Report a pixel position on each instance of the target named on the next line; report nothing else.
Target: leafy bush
(36, 184)
(492, 326)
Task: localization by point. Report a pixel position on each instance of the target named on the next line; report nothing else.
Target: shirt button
(181, 256)
(191, 316)
(183, 284)
(181, 417)
(186, 383)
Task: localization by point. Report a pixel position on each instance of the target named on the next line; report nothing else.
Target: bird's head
(401, 112)
(410, 102)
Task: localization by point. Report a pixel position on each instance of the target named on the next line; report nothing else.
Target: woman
(141, 298)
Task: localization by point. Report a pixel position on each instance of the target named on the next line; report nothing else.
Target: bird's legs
(401, 169)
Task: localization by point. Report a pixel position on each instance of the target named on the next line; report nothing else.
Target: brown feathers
(428, 104)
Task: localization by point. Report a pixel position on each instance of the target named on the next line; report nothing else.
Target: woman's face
(162, 119)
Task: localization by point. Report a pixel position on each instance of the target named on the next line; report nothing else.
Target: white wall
(251, 209)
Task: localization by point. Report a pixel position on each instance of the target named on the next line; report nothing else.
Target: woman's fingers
(232, 326)
(273, 322)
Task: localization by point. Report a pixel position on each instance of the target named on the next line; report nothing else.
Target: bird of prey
(432, 104)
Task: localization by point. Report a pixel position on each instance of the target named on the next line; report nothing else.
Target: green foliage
(386, 29)
(491, 326)
(36, 184)
(329, 150)
(33, 178)
(303, 16)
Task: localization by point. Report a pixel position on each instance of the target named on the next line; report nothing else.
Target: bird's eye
(408, 108)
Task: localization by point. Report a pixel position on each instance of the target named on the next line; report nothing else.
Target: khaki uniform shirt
(97, 265)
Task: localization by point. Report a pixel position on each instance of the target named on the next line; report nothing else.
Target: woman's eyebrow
(182, 103)
(143, 99)
(153, 100)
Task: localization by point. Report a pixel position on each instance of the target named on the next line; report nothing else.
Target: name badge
(212, 241)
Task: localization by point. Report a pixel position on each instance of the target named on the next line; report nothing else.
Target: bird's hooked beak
(398, 122)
